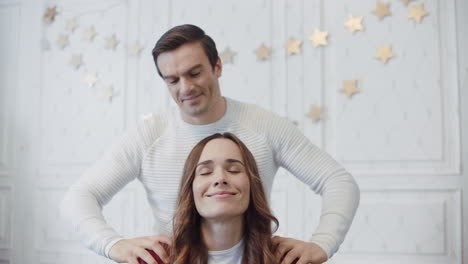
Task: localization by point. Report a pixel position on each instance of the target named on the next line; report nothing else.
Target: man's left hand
(289, 250)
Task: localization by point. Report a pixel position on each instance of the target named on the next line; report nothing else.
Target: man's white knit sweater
(155, 153)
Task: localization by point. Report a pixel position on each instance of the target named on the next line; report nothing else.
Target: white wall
(400, 137)
(462, 36)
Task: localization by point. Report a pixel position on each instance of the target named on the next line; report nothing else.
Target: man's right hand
(129, 250)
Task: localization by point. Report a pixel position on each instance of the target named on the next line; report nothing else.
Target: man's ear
(218, 68)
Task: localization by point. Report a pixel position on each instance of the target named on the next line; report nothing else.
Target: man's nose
(186, 86)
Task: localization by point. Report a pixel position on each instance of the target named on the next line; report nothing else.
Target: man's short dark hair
(180, 35)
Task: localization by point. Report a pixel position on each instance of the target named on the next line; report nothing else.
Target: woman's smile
(222, 194)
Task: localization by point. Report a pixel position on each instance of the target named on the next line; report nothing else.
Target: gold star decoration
(76, 61)
(349, 88)
(71, 25)
(293, 46)
(384, 53)
(62, 41)
(354, 23)
(417, 12)
(109, 93)
(319, 38)
(405, 2)
(227, 56)
(89, 34)
(315, 113)
(49, 15)
(263, 52)
(111, 42)
(382, 10)
(135, 49)
(91, 79)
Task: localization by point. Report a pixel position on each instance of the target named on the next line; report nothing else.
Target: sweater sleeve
(83, 202)
(325, 176)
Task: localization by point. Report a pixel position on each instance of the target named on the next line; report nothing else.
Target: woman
(222, 214)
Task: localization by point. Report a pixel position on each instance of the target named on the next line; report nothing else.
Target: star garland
(293, 46)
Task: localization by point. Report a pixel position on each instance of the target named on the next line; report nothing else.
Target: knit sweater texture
(154, 153)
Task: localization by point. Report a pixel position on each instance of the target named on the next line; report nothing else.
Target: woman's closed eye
(234, 169)
(204, 170)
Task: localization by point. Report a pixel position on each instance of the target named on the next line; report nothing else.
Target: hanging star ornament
(354, 23)
(319, 38)
(135, 49)
(76, 61)
(382, 10)
(293, 46)
(315, 113)
(49, 15)
(405, 2)
(62, 41)
(349, 88)
(111, 42)
(89, 33)
(71, 25)
(384, 53)
(227, 56)
(91, 79)
(263, 52)
(417, 12)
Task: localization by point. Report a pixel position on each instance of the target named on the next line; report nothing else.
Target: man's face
(221, 187)
(192, 81)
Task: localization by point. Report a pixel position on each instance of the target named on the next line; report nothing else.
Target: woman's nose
(220, 178)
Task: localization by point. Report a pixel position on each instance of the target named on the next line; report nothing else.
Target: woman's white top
(229, 256)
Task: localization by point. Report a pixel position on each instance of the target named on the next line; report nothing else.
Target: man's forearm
(340, 200)
(81, 208)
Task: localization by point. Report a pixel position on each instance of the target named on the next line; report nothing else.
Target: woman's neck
(222, 234)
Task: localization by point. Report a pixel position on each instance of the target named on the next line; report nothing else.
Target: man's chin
(194, 111)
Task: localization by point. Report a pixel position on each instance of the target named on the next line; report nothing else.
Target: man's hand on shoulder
(129, 250)
(289, 251)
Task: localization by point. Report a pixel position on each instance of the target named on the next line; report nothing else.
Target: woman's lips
(222, 194)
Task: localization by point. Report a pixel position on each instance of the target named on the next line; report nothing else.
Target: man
(154, 153)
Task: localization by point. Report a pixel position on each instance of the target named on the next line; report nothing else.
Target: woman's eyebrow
(234, 161)
(206, 162)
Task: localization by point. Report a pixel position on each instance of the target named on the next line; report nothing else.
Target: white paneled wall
(9, 28)
(400, 137)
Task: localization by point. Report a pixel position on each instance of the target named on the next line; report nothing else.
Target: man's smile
(191, 98)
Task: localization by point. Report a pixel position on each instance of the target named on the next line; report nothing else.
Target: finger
(160, 251)
(274, 248)
(153, 244)
(276, 240)
(282, 250)
(279, 253)
(303, 260)
(165, 239)
(133, 261)
(274, 245)
(285, 245)
(144, 255)
(290, 257)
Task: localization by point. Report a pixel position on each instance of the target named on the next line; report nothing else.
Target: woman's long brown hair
(188, 245)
